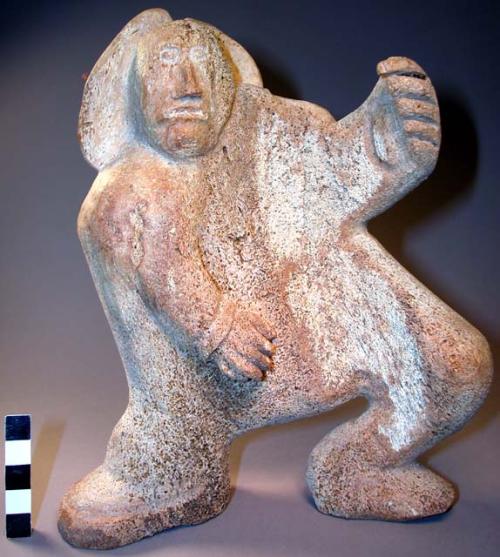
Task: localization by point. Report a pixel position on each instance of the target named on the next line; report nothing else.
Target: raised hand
(414, 101)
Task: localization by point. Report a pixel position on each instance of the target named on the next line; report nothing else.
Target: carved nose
(187, 85)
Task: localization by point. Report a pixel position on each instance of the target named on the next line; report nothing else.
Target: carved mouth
(186, 113)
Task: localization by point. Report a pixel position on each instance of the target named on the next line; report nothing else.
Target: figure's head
(186, 88)
(171, 81)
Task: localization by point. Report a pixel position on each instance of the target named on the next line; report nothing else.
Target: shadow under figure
(226, 235)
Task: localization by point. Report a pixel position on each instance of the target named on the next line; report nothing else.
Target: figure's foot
(405, 493)
(101, 512)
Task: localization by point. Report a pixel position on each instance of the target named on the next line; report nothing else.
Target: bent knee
(464, 367)
(469, 361)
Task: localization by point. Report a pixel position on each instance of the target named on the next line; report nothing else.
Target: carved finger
(260, 344)
(423, 131)
(255, 343)
(264, 328)
(418, 110)
(264, 363)
(423, 151)
(399, 65)
(226, 369)
(267, 348)
(245, 367)
(411, 88)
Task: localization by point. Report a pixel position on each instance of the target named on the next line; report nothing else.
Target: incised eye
(169, 55)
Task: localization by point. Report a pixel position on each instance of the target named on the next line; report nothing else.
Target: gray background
(58, 360)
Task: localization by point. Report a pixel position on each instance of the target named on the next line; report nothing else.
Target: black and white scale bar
(18, 475)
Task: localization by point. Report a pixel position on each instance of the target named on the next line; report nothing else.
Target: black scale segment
(17, 428)
(18, 525)
(18, 476)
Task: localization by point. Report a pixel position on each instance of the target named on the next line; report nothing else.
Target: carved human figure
(226, 235)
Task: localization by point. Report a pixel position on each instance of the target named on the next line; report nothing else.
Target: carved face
(186, 88)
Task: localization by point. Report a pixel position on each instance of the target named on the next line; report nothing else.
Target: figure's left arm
(390, 144)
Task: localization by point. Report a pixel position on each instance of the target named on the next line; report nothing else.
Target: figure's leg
(367, 468)
(160, 471)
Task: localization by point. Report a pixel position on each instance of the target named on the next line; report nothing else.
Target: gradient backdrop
(58, 360)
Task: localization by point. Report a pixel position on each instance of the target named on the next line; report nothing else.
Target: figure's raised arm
(390, 144)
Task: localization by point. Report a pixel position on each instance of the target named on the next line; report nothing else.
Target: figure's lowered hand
(248, 349)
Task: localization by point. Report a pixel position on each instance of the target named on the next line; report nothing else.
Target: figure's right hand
(415, 103)
(247, 351)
